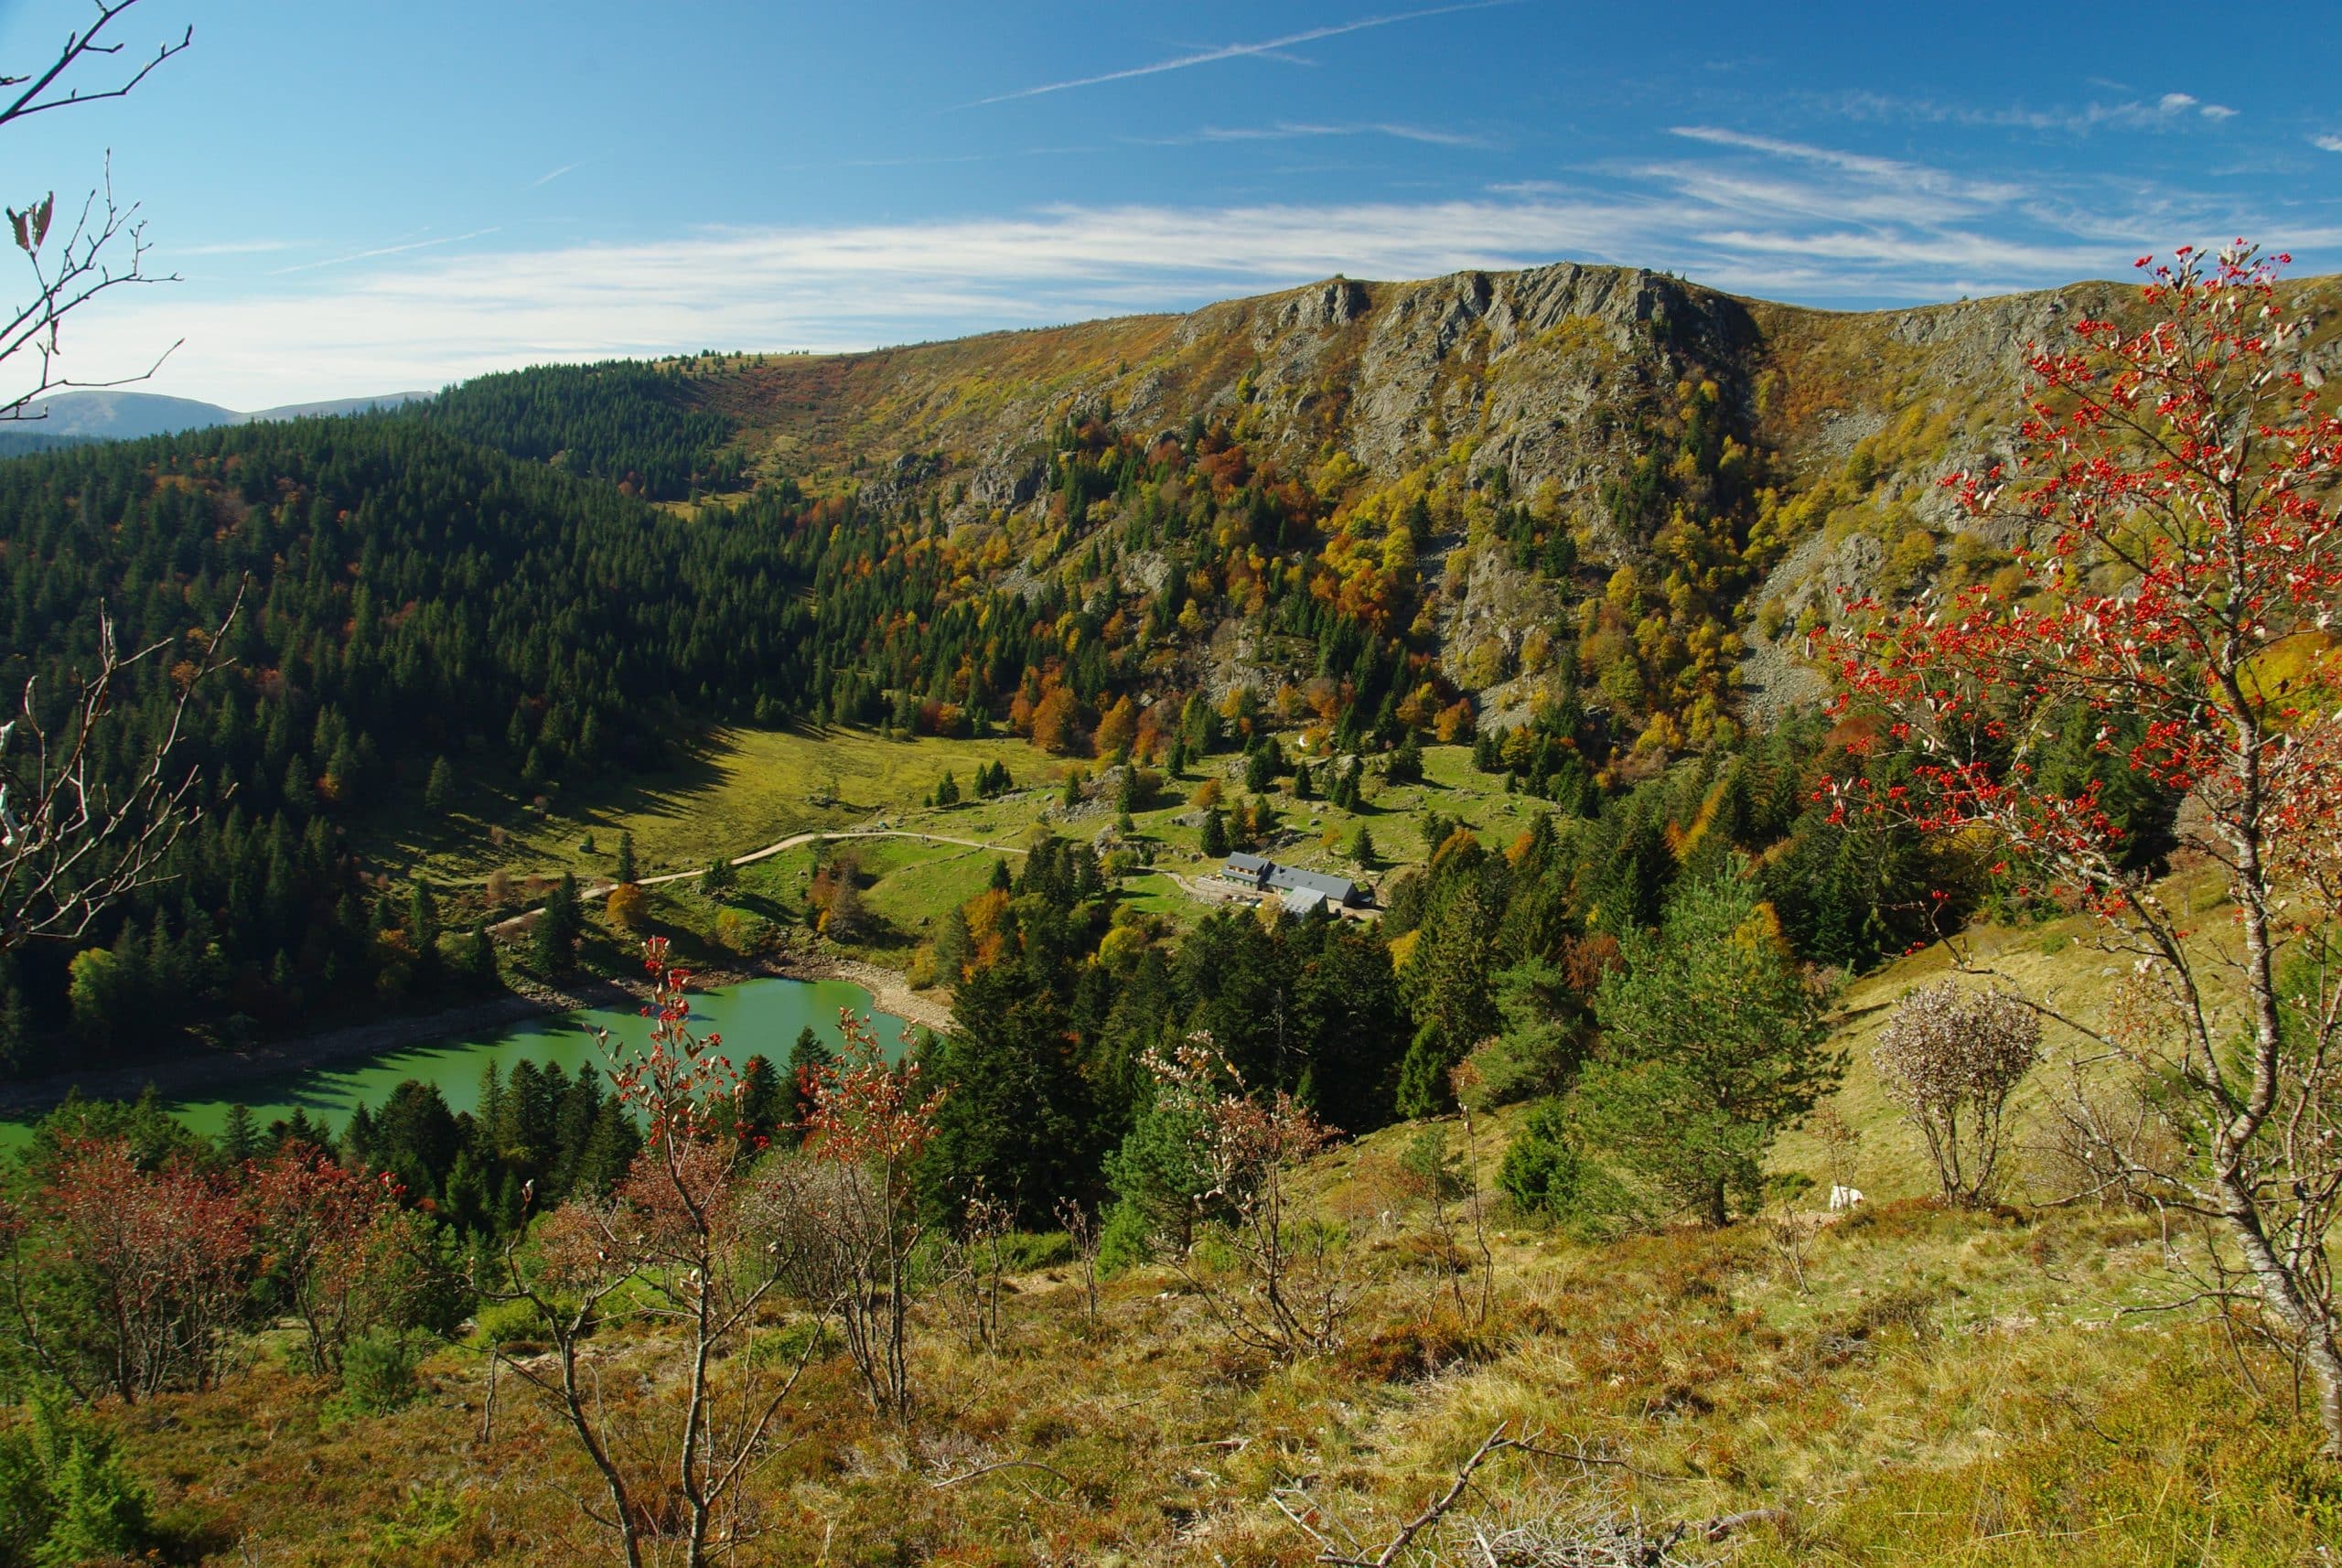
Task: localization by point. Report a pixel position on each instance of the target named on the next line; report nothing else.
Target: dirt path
(602, 888)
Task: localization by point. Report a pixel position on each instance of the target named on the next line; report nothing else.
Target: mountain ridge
(1575, 391)
(115, 414)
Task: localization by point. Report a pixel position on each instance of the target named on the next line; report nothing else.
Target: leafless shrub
(1082, 1231)
(975, 1269)
(1274, 1275)
(102, 249)
(71, 842)
(1579, 1522)
(1950, 1060)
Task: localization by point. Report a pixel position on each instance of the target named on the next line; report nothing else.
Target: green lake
(758, 1017)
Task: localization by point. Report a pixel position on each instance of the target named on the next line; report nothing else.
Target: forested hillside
(413, 605)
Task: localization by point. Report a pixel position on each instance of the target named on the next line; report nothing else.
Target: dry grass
(1950, 1388)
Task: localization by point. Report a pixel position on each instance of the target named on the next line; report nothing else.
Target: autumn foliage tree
(2177, 495)
(853, 1200)
(334, 1243)
(122, 1280)
(686, 1245)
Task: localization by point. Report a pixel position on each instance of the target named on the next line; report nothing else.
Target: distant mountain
(106, 415)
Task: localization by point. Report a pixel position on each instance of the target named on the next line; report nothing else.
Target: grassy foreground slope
(1905, 1385)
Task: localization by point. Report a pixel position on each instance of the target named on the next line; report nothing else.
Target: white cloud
(425, 320)
(2330, 143)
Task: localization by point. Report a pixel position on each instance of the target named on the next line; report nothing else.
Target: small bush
(508, 1323)
(1951, 1060)
(1123, 1242)
(378, 1372)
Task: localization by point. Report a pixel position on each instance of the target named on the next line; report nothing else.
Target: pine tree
(622, 869)
(1363, 847)
(439, 789)
(1714, 1043)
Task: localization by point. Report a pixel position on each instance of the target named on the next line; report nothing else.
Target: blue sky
(364, 198)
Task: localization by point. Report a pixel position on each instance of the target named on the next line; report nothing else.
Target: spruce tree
(807, 1056)
(439, 789)
(622, 869)
(1214, 842)
(239, 1136)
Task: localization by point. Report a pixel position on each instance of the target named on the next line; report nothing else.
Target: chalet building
(1300, 891)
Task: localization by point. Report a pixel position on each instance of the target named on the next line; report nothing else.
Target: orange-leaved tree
(2177, 496)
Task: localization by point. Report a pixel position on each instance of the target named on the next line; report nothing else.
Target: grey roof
(1301, 901)
(1266, 873)
(1338, 888)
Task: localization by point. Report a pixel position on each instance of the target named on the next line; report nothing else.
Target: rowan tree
(1286, 1289)
(852, 1202)
(125, 1280)
(2175, 501)
(686, 1244)
(313, 1222)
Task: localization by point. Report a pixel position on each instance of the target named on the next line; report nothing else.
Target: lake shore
(184, 1076)
(890, 992)
(211, 1074)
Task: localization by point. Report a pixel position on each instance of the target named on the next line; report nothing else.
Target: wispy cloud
(550, 175)
(1751, 213)
(2170, 112)
(237, 248)
(2330, 143)
(1893, 171)
(386, 251)
(1272, 48)
(1286, 130)
(422, 320)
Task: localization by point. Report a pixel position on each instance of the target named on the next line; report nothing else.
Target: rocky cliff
(1561, 388)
